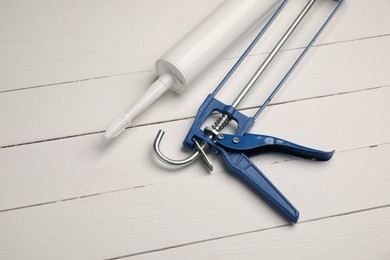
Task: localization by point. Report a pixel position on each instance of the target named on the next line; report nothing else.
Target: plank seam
(224, 59)
(251, 232)
(191, 117)
(374, 146)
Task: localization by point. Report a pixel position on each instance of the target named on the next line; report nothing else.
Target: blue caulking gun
(237, 148)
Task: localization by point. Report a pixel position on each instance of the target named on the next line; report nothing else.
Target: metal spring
(221, 122)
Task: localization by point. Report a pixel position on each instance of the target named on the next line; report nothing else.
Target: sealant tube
(188, 60)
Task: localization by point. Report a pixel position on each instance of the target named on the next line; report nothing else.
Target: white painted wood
(89, 106)
(363, 235)
(79, 197)
(47, 42)
(85, 165)
(199, 208)
(59, 41)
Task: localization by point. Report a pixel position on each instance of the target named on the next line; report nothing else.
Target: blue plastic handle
(254, 144)
(241, 166)
(236, 154)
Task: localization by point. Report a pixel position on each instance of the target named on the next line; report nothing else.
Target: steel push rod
(225, 119)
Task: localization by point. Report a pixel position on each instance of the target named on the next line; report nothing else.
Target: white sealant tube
(189, 59)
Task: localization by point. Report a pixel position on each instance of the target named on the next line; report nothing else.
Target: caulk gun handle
(254, 144)
(241, 166)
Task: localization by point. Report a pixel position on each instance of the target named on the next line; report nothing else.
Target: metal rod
(250, 47)
(273, 53)
(268, 100)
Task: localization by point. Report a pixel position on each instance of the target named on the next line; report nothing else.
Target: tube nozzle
(159, 87)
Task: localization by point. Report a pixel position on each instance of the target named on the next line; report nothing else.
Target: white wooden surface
(67, 68)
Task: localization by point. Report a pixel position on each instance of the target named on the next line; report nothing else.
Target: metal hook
(201, 151)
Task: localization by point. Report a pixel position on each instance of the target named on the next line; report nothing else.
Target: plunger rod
(272, 55)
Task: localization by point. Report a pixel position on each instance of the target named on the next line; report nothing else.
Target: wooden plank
(86, 165)
(363, 235)
(89, 106)
(199, 208)
(79, 197)
(70, 41)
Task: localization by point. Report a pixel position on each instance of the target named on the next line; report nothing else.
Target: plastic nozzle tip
(162, 84)
(117, 127)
